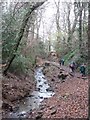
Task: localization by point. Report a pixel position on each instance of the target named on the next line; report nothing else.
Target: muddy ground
(71, 95)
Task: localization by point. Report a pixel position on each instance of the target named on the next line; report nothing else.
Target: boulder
(62, 76)
(47, 64)
(7, 106)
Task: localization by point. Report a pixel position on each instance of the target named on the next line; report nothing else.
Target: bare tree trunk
(38, 26)
(89, 40)
(80, 30)
(74, 24)
(49, 46)
(69, 25)
(58, 19)
(21, 32)
(88, 54)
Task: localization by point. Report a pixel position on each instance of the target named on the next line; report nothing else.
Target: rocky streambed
(33, 101)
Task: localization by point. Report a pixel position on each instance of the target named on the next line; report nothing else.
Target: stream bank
(71, 94)
(33, 101)
(69, 101)
(15, 88)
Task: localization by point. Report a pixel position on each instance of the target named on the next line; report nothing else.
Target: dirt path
(71, 95)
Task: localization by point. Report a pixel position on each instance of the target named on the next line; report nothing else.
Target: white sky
(49, 15)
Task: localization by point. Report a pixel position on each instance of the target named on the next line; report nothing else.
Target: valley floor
(71, 95)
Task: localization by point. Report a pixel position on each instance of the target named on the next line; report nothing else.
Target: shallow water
(29, 103)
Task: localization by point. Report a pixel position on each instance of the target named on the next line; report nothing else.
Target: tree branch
(21, 32)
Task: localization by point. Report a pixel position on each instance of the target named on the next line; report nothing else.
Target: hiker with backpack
(83, 69)
(72, 66)
(61, 62)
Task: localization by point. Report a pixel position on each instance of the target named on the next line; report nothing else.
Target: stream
(43, 91)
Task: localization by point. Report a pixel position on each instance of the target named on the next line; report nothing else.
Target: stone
(47, 64)
(7, 106)
(62, 81)
(84, 78)
(49, 89)
(15, 108)
(31, 95)
(39, 80)
(62, 76)
(43, 77)
(40, 86)
(38, 116)
(42, 107)
(38, 89)
(39, 112)
(41, 97)
(51, 107)
(59, 76)
(46, 98)
(45, 82)
(52, 79)
(53, 112)
(44, 73)
(60, 71)
(22, 115)
(59, 97)
(36, 97)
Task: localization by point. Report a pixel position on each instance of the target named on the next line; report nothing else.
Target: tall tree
(57, 4)
(80, 29)
(68, 22)
(89, 37)
(21, 31)
(89, 53)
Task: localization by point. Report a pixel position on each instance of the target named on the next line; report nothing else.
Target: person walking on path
(72, 67)
(61, 62)
(83, 69)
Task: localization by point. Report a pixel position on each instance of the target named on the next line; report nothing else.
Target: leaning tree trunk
(21, 32)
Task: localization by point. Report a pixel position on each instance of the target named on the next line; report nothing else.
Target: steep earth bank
(15, 88)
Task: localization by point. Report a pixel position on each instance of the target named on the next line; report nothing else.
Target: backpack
(82, 68)
(71, 65)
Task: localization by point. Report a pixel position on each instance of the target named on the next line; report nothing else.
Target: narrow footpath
(71, 94)
(58, 94)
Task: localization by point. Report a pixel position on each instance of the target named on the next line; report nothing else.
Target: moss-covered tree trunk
(21, 32)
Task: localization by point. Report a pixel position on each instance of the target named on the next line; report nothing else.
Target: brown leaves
(71, 98)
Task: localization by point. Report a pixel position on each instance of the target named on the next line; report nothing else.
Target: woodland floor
(15, 88)
(71, 95)
(70, 99)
